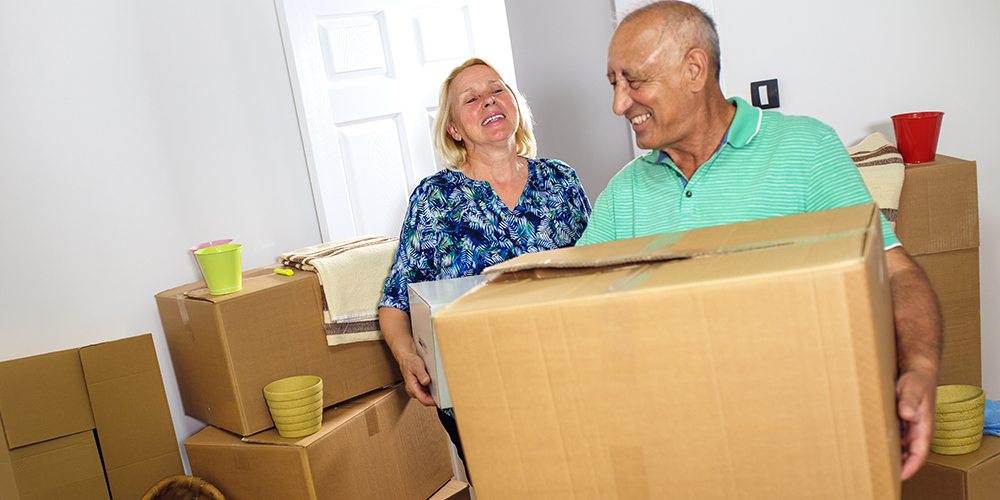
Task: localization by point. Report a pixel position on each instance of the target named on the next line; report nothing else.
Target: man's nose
(622, 100)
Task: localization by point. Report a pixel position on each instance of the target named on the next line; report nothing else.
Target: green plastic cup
(223, 268)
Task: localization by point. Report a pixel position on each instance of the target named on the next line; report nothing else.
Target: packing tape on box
(642, 272)
(182, 307)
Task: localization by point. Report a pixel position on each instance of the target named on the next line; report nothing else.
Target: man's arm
(918, 351)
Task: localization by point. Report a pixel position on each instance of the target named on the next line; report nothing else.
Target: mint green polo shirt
(770, 165)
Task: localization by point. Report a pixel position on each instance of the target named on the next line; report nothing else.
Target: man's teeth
(493, 119)
(639, 119)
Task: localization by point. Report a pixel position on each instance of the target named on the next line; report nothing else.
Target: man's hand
(915, 393)
(918, 353)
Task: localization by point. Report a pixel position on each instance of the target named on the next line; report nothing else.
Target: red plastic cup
(917, 135)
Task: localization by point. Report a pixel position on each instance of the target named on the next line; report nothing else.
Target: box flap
(333, 418)
(67, 467)
(43, 397)
(731, 238)
(989, 448)
(254, 281)
(130, 408)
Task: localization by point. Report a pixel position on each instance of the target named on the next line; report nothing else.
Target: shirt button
(688, 194)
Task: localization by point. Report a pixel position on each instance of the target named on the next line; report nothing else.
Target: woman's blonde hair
(453, 153)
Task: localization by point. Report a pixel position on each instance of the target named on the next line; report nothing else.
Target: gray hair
(686, 24)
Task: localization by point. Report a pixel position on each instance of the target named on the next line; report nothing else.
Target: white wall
(851, 63)
(560, 56)
(130, 131)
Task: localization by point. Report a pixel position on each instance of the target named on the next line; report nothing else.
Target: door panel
(365, 76)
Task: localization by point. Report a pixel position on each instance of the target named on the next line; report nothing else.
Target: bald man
(718, 161)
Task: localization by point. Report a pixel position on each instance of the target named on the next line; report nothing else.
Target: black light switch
(771, 89)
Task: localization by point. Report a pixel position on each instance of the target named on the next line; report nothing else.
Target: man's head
(663, 62)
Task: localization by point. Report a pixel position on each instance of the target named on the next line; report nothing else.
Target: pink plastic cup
(917, 135)
(206, 244)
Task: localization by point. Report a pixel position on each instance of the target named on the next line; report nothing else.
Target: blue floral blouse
(457, 227)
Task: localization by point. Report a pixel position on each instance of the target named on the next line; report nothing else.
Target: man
(716, 162)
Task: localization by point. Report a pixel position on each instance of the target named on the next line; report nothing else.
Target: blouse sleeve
(412, 264)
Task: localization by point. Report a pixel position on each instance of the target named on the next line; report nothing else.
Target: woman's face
(483, 108)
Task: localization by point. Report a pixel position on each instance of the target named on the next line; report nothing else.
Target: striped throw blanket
(882, 168)
(351, 274)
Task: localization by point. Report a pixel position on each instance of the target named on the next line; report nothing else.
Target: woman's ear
(453, 132)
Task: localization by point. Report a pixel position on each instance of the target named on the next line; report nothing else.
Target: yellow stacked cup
(958, 427)
(296, 405)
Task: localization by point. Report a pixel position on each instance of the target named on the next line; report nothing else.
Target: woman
(493, 202)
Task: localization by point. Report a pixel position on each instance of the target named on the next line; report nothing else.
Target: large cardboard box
(753, 361)
(974, 476)
(226, 348)
(52, 405)
(425, 299)
(938, 224)
(378, 446)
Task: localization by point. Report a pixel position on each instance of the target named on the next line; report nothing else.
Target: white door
(365, 76)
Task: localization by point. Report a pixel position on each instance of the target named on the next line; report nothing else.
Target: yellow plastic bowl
(297, 426)
(295, 403)
(953, 398)
(956, 450)
(292, 388)
(959, 424)
(956, 441)
(296, 419)
(958, 416)
(976, 430)
(301, 432)
(298, 410)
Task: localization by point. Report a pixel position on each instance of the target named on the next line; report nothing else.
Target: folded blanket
(351, 274)
(882, 169)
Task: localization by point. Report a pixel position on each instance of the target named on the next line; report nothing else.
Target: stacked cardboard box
(938, 224)
(375, 442)
(754, 360)
(226, 348)
(381, 445)
(84, 422)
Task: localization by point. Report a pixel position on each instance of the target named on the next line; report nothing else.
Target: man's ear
(696, 65)
(453, 132)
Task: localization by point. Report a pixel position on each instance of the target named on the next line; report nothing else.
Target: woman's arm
(395, 325)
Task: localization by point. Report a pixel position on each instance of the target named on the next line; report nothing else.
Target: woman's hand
(395, 325)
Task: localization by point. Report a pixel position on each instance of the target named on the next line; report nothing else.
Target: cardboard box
(226, 348)
(955, 278)
(753, 360)
(57, 469)
(52, 404)
(939, 207)
(974, 476)
(425, 299)
(938, 224)
(454, 490)
(378, 446)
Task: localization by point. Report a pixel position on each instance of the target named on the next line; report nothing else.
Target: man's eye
(634, 84)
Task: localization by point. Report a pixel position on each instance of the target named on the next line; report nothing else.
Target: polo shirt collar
(741, 131)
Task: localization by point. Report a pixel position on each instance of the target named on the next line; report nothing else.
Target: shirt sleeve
(835, 182)
(411, 262)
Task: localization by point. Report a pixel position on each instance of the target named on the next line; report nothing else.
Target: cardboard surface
(974, 476)
(43, 397)
(226, 348)
(131, 413)
(454, 490)
(757, 374)
(939, 207)
(378, 446)
(955, 278)
(61, 468)
(115, 392)
(425, 299)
